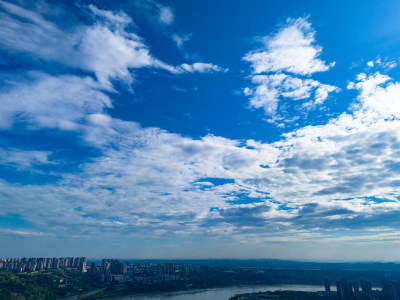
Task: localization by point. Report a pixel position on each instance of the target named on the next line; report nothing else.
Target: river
(223, 293)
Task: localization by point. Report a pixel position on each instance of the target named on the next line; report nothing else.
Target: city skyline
(200, 129)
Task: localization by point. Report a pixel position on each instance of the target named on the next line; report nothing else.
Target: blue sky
(198, 129)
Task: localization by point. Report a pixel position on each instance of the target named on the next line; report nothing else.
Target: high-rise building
(327, 288)
(49, 263)
(55, 263)
(356, 290)
(82, 266)
(105, 264)
(344, 289)
(169, 269)
(124, 268)
(366, 289)
(391, 289)
(92, 268)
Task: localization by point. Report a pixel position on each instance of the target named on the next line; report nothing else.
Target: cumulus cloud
(291, 50)
(385, 64)
(270, 89)
(377, 97)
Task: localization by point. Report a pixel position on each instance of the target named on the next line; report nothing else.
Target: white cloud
(266, 94)
(45, 101)
(154, 180)
(199, 68)
(384, 63)
(105, 48)
(64, 102)
(23, 159)
(164, 183)
(119, 19)
(25, 233)
(150, 178)
(181, 39)
(292, 50)
(34, 34)
(389, 65)
(166, 15)
(270, 89)
(322, 93)
(378, 98)
(111, 55)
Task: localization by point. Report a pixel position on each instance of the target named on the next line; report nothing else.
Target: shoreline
(263, 288)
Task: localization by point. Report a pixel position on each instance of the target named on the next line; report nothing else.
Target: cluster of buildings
(391, 289)
(20, 265)
(351, 290)
(111, 270)
(153, 273)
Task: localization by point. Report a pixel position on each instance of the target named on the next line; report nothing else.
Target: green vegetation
(43, 285)
(110, 291)
(135, 288)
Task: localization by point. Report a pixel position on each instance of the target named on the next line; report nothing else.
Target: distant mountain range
(277, 264)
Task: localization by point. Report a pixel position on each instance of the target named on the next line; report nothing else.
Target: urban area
(78, 277)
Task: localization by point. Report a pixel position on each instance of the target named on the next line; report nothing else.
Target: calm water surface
(221, 293)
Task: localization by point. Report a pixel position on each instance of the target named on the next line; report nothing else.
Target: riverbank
(218, 293)
(280, 295)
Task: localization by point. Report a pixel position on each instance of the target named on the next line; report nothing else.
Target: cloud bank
(315, 182)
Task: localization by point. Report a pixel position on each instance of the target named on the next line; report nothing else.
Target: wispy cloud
(118, 19)
(105, 48)
(166, 15)
(23, 159)
(44, 101)
(199, 68)
(180, 39)
(24, 233)
(385, 64)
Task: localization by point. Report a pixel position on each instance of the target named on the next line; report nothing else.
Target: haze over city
(200, 129)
